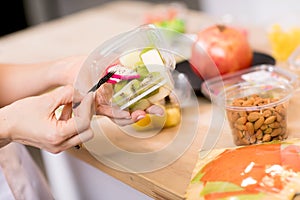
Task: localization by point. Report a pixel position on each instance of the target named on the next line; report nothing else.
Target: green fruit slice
(219, 186)
(142, 70)
(131, 59)
(149, 64)
(130, 93)
(118, 86)
(126, 93)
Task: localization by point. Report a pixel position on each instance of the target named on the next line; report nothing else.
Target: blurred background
(19, 14)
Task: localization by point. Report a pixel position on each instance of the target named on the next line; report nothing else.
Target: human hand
(65, 70)
(120, 117)
(32, 120)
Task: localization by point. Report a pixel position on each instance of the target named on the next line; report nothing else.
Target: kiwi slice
(118, 86)
(126, 93)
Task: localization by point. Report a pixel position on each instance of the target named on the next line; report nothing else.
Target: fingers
(80, 122)
(62, 95)
(103, 104)
(104, 94)
(76, 140)
(122, 122)
(43, 130)
(67, 126)
(66, 144)
(77, 97)
(83, 113)
(112, 112)
(138, 115)
(156, 110)
(72, 131)
(134, 117)
(79, 139)
(120, 117)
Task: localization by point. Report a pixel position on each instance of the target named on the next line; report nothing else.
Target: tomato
(225, 48)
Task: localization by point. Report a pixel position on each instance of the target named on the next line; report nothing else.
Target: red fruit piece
(121, 73)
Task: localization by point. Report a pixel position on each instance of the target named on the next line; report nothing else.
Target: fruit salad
(170, 16)
(141, 78)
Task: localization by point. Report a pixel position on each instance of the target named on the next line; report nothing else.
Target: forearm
(21, 80)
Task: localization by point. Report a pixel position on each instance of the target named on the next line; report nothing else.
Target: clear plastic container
(294, 61)
(255, 75)
(257, 113)
(141, 47)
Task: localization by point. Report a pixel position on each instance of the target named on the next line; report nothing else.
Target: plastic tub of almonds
(257, 113)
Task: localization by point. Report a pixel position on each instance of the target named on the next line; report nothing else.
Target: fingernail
(140, 117)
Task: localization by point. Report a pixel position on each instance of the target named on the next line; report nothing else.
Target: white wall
(257, 12)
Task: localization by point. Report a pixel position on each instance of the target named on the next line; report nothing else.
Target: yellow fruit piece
(150, 122)
(173, 116)
(144, 122)
(283, 42)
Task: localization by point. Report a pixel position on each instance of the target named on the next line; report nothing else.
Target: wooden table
(80, 34)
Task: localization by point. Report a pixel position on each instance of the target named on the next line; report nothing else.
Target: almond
(253, 116)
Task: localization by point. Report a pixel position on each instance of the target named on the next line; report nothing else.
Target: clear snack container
(255, 75)
(141, 66)
(257, 112)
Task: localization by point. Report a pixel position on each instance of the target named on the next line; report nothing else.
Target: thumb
(82, 117)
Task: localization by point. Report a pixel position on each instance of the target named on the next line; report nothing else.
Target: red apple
(226, 50)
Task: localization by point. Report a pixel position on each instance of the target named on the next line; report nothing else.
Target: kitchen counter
(80, 33)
